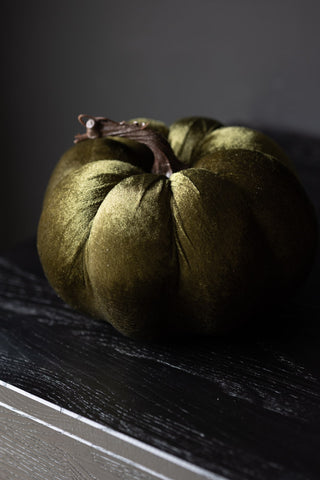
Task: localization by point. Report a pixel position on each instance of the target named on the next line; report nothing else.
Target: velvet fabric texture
(198, 252)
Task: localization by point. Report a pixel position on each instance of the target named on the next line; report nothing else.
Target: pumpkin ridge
(193, 127)
(105, 301)
(76, 266)
(241, 138)
(275, 169)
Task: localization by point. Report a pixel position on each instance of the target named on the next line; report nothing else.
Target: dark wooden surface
(246, 407)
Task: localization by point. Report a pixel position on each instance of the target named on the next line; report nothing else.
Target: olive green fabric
(184, 136)
(198, 252)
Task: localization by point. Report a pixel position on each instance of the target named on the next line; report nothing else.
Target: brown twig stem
(165, 161)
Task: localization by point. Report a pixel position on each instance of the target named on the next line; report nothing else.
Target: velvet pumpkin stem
(165, 162)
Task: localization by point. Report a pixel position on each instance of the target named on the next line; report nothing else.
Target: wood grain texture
(246, 407)
(242, 408)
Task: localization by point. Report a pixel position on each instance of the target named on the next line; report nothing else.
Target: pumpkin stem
(165, 161)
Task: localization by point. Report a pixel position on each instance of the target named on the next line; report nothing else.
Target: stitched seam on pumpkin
(148, 187)
(185, 140)
(204, 133)
(179, 248)
(184, 173)
(175, 242)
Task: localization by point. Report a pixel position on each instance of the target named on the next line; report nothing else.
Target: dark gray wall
(249, 61)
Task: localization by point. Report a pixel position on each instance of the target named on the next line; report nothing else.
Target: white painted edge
(125, 440)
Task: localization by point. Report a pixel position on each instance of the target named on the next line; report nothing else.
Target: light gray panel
(40, 440)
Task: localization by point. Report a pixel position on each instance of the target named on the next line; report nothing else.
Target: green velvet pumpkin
(198, 252)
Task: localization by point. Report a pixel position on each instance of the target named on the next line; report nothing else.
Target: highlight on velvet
(169, 231)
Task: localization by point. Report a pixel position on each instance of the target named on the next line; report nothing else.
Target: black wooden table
(80, 401)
